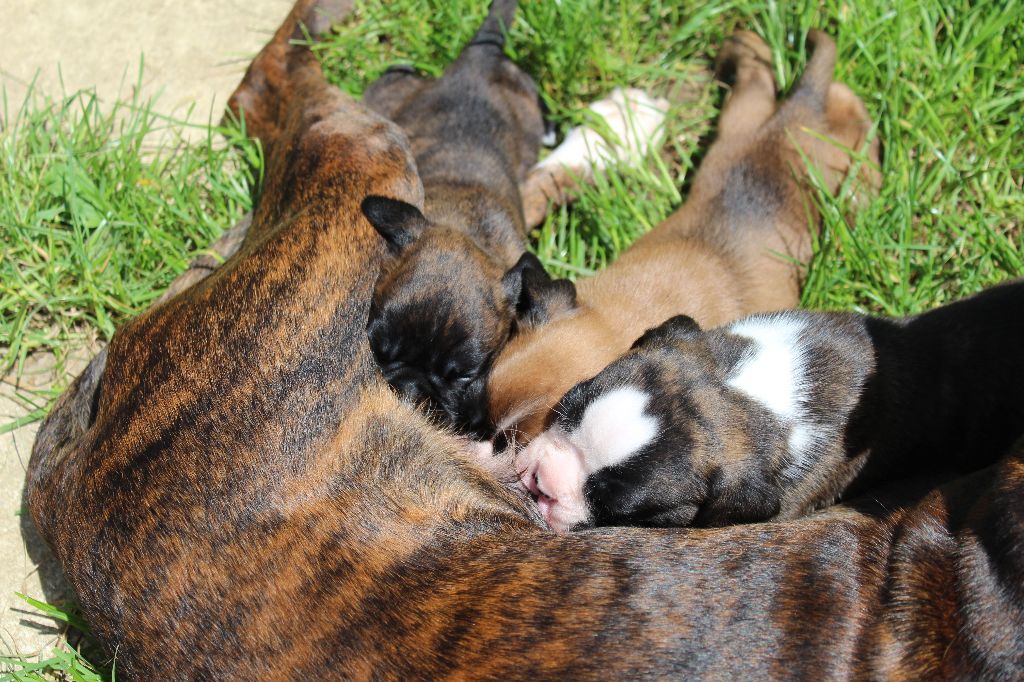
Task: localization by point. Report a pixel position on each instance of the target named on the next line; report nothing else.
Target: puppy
(448, 299)
(716, 259)
(778, 414)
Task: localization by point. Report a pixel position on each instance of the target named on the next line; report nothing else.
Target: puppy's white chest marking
(773, 373)
(614, 427)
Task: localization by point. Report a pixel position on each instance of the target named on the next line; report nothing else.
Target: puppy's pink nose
(528, 477)
(553, 467)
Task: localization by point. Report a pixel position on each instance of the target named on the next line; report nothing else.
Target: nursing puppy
(778, 414)
(718, 258)
(234, 492)
(448, 299)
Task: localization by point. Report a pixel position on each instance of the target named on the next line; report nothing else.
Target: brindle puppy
(448, 300)
(235, 493)
(776, 415)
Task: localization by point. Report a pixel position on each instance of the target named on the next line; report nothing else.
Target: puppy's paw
(623, 128)
(742, 49)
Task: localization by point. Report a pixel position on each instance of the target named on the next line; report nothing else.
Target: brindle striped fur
(248, 500)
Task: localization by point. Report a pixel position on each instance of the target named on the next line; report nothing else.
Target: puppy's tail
(499, 18)
(817, 76)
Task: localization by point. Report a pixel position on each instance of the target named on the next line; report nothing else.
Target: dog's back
(475, 133)
(448, 300)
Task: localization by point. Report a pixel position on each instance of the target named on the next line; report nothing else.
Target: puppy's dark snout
(409, 385)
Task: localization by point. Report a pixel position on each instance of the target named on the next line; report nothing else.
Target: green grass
(943, 81)
(64, 661)
(96, 218)
(93, 224)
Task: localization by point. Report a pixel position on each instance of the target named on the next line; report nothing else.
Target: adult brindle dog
(234, 493)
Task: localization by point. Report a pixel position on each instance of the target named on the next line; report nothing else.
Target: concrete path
(195, 52)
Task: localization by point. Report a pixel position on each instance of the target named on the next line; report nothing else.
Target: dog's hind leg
(308, 127)
(284, 76)
(839, 119)
(745, 65)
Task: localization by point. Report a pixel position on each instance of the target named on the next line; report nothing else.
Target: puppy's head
(553, 348)
(655, 439)
(440, 312)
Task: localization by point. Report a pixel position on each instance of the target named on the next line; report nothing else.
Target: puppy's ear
(398, 222)
(534, 295)
(673, 329)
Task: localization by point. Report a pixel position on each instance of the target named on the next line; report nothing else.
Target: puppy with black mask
(449, 298)
(778, 414)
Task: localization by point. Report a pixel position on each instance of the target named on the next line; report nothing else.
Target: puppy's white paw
(626, 125)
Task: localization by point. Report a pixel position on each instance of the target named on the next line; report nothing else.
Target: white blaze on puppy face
(614, 427)
(554, 466)
(774, 374)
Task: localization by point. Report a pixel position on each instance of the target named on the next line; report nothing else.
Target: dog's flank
(731, 250)
(776, 415)
(249, 500)
(448, 300)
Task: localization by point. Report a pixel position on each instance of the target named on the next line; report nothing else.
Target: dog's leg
(822, 122)
(632, 118)
(745, 64)
(284, 97)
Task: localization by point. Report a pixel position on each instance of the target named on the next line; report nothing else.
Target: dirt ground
(195, 52)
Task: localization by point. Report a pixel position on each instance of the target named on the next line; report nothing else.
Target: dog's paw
(624, 127)
(321, 15)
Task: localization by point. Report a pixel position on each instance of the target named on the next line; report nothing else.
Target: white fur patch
(773, 374)
(614, 427)
(632, 123)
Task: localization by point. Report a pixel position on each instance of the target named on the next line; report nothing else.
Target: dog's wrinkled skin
(731, 250)
(779, 414)
(448, 300)
(249, 500)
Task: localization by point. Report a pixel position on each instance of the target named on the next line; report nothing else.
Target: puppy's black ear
(398, 222)
(534, 295)
(513, 279)
(673, 329)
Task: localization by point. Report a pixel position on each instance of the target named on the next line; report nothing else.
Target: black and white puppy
(778, 414)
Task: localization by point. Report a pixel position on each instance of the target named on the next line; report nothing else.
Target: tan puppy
(728, 252)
